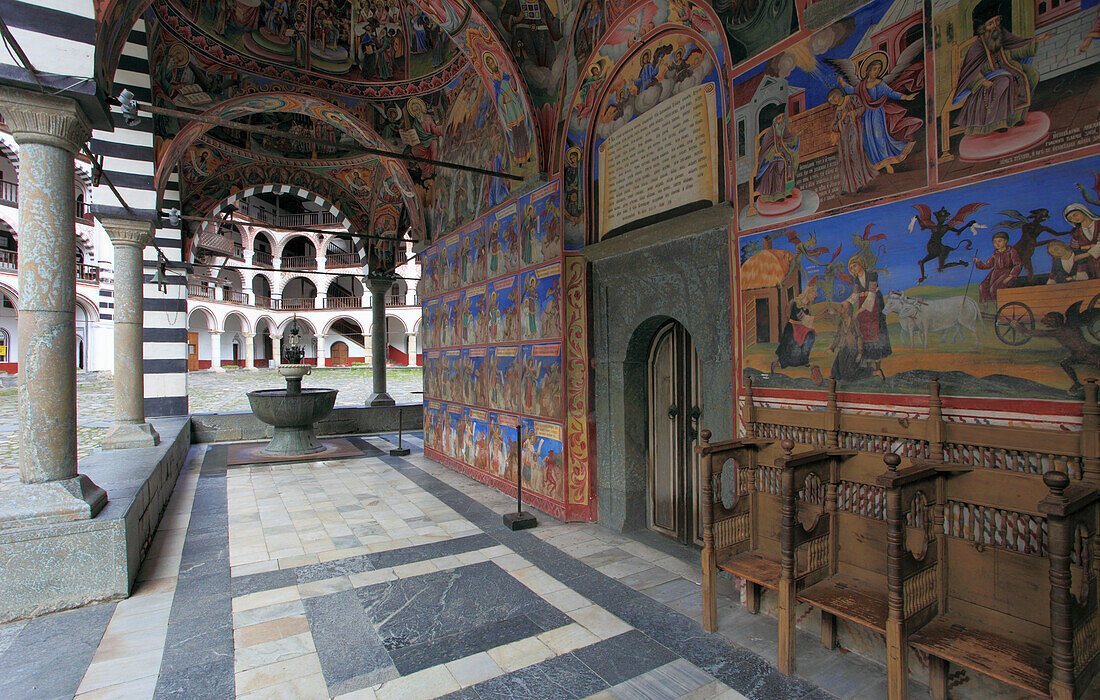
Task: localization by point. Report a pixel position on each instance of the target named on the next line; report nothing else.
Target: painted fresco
(434, 424)
(614, 93)
(475, 240)
(482, 367)
(451, 321)
(502, 306)
(543, 462)
(1015, 82)
(429, 273)
(540, 303)
(432, 323)
(452, 251)
(433, 373)
(362, 40)
(455, 434)
(835, 120)
(477, 443)
(503, 448)
(503, 238)
(993, 288)
(541, 395)
(505, 379)
(475, 321)
(452, 378)
(472, 368)
(534, 31)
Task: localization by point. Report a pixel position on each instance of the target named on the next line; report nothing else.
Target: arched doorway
(339, 353)
(674, 411)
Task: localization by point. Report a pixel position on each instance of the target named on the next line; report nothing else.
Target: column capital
(126, 231)
(381, 284)
(37, 118)
(248, 336)
(216, 332)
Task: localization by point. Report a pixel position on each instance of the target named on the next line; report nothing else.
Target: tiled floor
(384, 577)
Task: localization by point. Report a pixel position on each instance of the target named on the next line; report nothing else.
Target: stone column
(378, 288)
(249, 350)
(276, 350)
(129, 237)
(322, 353)
(410, 343)
(49, 130)
(216, 351)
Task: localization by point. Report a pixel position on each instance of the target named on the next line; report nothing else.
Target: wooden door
(339, 353)
(674, 411)
(192, 351)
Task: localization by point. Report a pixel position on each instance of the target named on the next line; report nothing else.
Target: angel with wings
(889, 133)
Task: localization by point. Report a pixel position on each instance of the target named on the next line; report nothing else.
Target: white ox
(952, 315)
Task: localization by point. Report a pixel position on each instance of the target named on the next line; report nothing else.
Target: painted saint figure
(1085, 239)
(1004, 266)
(870, 317)
(856, 171)
(797, 339)
(888, 130)
(776, 162)
(995, 81)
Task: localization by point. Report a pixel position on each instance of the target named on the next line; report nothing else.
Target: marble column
(216, 351)
(49, 130)
(276, 350)
(378, 287)
(249, 350)
(129, 237)
(410, 343)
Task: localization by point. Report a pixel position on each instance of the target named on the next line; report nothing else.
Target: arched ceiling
(429, 79)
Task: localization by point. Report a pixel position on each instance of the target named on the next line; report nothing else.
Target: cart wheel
(1093, 328)
(1013, 323)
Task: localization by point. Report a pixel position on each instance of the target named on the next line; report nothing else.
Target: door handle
(693, 427)
(673, 411)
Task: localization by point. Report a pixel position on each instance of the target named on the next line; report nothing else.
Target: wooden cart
(1018, 308)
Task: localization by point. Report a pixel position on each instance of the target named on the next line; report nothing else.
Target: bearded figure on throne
(776, 162)
(996, 82)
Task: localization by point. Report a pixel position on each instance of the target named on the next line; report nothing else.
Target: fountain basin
(292, 415)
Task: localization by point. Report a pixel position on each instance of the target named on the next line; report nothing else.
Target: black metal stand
(519, 520)
(400, 451)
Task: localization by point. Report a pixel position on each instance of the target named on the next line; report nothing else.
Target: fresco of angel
(889, 132)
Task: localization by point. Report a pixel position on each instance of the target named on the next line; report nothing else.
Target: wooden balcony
(87, 273)
(298, 262)
(261, 259)
(342, 260)
(343, 303)
(294, 304)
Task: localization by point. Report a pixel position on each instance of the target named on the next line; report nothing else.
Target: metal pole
(519, 469)
(400, 451)
(519, 520)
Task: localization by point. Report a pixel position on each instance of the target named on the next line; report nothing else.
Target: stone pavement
(383, 577)
(208, 392)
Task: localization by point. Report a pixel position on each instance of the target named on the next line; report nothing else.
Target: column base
(50, 502)
(124, 436)
(217, 369)
(246, 368)
(380, 399)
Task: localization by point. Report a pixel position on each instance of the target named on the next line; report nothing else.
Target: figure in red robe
(1004, 266)
(995, 85)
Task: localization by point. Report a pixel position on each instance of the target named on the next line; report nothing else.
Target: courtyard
(208, 392)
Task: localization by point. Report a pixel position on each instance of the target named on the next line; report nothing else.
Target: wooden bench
(1029, 621)
(976, 545)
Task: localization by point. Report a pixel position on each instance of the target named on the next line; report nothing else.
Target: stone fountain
(292, 411)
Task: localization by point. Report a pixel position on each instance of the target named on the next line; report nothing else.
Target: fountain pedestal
(292, 412)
